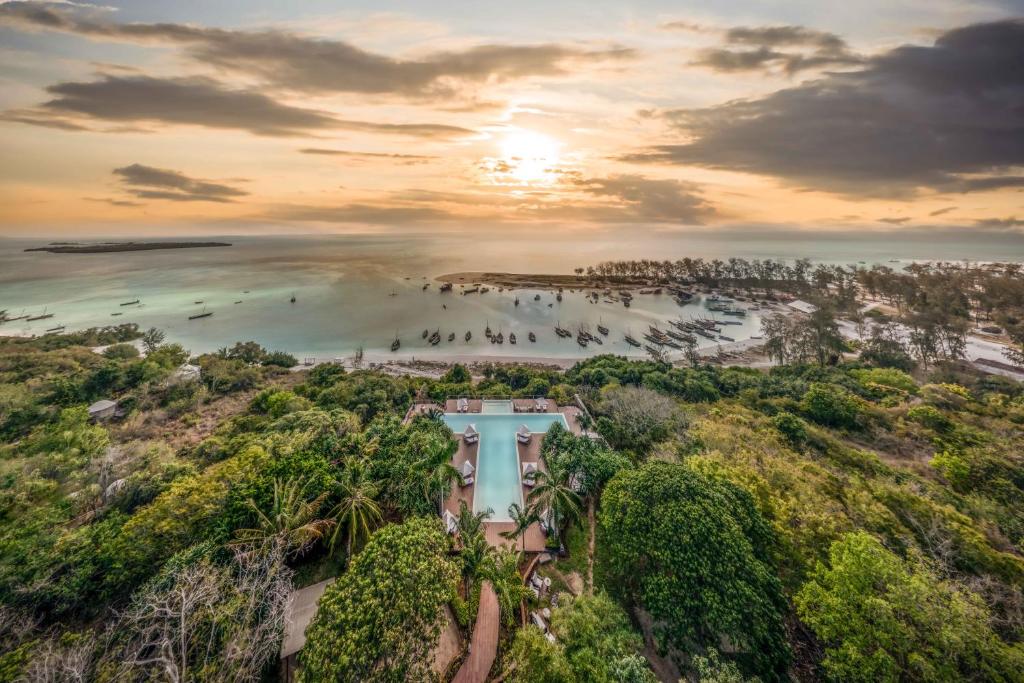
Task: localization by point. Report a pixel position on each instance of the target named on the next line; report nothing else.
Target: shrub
(121, 352)
(280, 359)
(930, 417)
(831, 405)
(791, 427)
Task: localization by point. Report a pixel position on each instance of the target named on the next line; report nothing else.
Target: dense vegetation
(838, 517)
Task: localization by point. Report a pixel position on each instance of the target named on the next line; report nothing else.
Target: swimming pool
(497, 483)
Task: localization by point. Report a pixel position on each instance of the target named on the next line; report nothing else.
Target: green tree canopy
(884, 619)
(693, 551)
(380, 620)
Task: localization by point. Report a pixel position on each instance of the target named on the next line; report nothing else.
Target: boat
(581, 340)
(451, 337)
(204, 314)
(129, 303)
(596, 340)
(198, 302)
(425, 286)
(602, 329)
(558, 297)
(722, 336)
(245, 291)
(631, 341)
(393, 293)
(532, 337)
(651, 350)
(43, 316)
(625, 302)
(654, 340)
(487, 330)
(395, 344)
(239, 301)
(561, 331)
(469, 335)
(484, 290)
(293, 298)
(536, 297)
(426, 333)
(517, 301)
(116, 314)
(435, 338)
(446, 287)
(499, 338)
(59, 328)
(511, 337)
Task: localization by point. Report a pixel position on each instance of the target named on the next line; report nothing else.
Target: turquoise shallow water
(343, 286)
(497, 476)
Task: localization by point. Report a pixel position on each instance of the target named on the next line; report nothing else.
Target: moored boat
(532, 337)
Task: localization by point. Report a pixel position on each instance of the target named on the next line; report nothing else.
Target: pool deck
(534, 538)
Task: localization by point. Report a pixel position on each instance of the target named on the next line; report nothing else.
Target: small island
(107, 247)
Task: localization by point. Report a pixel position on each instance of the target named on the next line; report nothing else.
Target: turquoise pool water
(497, 473)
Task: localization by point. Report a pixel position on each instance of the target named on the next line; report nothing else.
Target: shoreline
(118, 247)
(536, 280)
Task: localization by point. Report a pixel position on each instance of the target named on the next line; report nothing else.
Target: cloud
(147, 182)
(640, 199)
(302, 63)
(756, 48)
(361, 213)
(894, 221)
(404, 159)
(943, 211)
(196, 101)
(113, 202)
(1000, 223)
(913, 117)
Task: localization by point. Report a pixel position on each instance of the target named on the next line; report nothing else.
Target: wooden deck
(484, 645)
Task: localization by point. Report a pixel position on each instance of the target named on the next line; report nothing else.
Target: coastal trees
(357, 511)
(635, 418)
(152, 339)
(292, 519)
(203, 620)
(596, 637)
(380, 620)
(886, 619)
(554, 501)
(693, 551)
(522, 518)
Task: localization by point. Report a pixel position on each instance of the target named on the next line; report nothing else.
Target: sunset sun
(529, 156)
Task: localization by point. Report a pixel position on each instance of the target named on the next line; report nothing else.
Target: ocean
(362, 291)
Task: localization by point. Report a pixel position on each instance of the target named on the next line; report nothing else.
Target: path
(484, 645)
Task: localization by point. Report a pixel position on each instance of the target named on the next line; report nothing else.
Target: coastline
(119, 247)
(535, 280)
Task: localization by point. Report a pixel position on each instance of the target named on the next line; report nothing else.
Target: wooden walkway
(484, 645)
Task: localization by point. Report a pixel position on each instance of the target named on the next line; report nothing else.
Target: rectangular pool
(497, 472)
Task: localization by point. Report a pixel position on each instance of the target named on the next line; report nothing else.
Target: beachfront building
(498, 456)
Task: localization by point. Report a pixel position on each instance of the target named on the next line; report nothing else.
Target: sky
(222, 117)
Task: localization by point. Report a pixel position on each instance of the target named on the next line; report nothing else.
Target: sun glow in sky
(532, 157)
(149, 117)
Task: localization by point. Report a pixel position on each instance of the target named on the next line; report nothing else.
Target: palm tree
(358, 508)
(292, 519)
(503, 573)
(522, 518)
(434, 465)
(469, 523)
(552, 494)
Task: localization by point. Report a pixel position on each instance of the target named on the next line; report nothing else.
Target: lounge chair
(468, 481)
(529, 473)
(523, 434)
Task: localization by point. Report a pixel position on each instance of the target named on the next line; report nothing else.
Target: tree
(502, 570)
(711, 669)
(693, 551)
(533, 659)
(152, 339)
(292, 518)
(635, 418)
(381, 619)
(358, 510)
(522, 518)
(884, 619)
(596, 636)
(199, 620)
(831, 405)
(554, 501)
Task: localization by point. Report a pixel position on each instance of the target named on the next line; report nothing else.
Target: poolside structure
(523, 434)
(498, 456)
